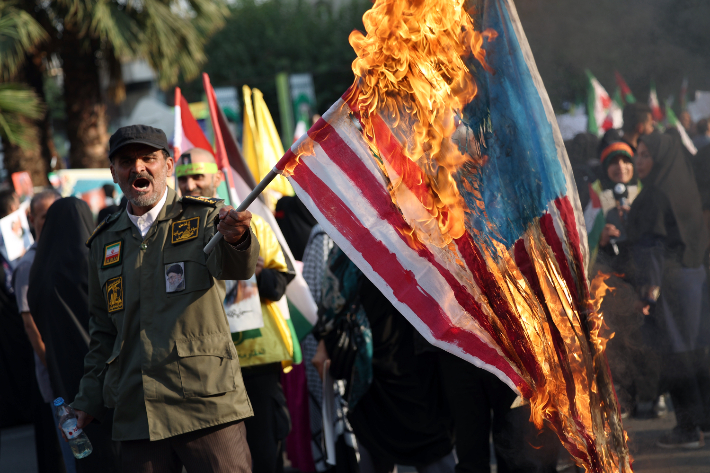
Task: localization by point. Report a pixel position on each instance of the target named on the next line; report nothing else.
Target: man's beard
(206, 191)
(146, 199)
(172, 287)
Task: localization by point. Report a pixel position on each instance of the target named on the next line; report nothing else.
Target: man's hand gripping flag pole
(278, 169)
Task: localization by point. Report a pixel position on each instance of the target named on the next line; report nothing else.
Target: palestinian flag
(626, 95)
(655, 104)
(672, 121)
(603, 113)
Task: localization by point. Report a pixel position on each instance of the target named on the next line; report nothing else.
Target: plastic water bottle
(78, 441)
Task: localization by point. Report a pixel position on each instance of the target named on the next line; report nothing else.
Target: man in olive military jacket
(161, 352)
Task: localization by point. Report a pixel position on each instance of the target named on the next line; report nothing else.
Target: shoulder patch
(102, 226)
(211, 201)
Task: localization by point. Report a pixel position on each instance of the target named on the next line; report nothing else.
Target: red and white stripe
(345, 190)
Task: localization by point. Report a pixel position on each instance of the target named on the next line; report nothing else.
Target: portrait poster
(243, 306)
(16, 234)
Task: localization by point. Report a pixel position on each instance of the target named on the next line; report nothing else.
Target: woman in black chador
(669, 246)
(59, 303)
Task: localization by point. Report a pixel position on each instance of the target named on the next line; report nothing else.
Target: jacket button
(144, 246)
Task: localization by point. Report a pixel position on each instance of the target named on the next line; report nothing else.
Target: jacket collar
(171, 209)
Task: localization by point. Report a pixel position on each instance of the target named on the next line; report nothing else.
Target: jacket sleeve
(272, 284)
(226, 261)
(103, 334)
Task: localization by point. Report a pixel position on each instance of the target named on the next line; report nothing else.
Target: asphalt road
(17, 454)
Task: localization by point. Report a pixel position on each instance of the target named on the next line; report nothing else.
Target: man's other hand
(82, 420)
(259, 266)
(232, 224)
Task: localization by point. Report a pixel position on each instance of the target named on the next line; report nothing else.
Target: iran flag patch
(112, 254)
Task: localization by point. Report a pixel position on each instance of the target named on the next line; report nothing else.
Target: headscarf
(58, 292)
(670, 188)
(296, 223)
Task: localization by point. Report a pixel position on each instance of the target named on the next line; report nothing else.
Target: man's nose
(139, 166)
(191, 184)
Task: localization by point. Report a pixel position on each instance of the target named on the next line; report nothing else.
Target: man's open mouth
(141, 184)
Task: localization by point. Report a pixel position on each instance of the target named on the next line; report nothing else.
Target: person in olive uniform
(164, 360)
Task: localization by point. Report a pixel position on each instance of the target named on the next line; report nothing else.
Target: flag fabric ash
(509, 294)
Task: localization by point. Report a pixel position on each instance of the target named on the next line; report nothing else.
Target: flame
(410, 71)
(598, 330)
(411, 83)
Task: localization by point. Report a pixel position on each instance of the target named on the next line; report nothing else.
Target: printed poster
(243, 306)
(16, 234)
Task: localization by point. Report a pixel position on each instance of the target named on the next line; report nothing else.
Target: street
(17, 453)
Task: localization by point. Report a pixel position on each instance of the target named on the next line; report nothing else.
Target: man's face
(38, 214)
(685, 120)
(141, 171)
(199, 185)
(174, 280)
(647, 127)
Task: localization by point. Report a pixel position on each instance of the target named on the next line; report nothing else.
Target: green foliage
(18, 103)
(54, 97)
(263, 38)
(20, 33)
(169, 34)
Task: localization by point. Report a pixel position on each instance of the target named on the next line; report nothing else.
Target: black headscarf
(295, 222)
(58, 292)
(669, 204)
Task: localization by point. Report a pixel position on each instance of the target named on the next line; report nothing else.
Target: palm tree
(166, 33)
(91, 35)
(23, 124)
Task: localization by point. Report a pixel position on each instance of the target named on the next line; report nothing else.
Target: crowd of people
(131, 323)
(646, 206)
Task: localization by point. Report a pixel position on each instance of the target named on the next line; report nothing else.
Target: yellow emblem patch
(114, 294)
(185, 230)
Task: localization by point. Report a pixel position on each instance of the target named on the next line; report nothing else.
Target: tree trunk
(29, 159)
(37, 159)
(86, 112)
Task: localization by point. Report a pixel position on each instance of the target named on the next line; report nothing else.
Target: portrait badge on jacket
(185, 230)
(175, 277)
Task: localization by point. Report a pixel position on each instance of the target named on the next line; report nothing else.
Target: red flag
(221, 156)
(188, 133)
(626, 94)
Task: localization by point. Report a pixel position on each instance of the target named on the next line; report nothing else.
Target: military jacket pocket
(208, 365)
(190, 260)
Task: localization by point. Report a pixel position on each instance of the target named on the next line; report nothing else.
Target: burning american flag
(441, 173)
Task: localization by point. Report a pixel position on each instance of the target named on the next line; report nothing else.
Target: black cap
(142, 134)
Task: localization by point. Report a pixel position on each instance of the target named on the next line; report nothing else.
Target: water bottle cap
(58, 402)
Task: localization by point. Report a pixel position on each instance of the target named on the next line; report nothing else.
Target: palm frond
(18, 105)
(20, 34)
(175, 40)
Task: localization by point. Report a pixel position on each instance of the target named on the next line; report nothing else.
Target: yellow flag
(262, 146)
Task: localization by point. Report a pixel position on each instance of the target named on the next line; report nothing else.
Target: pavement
(17, 453)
